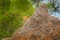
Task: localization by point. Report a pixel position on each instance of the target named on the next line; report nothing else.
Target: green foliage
(4, 4)
(8, 23)
(22, 5)
(11, 14)
(49, 5)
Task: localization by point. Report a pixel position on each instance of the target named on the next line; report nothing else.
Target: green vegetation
(11, 15)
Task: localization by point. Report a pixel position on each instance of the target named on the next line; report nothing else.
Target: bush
(11, 16)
